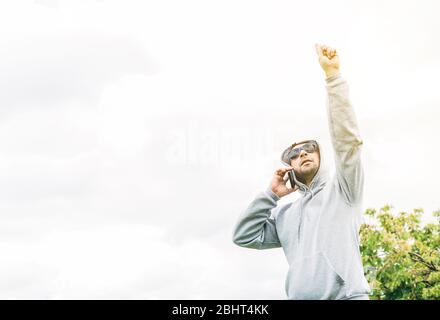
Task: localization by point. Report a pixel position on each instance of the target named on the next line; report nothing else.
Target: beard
(307, 172)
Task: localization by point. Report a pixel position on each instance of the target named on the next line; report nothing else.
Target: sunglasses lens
(294, 154)
(308, 147)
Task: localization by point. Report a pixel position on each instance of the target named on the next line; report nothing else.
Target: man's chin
(309, 170)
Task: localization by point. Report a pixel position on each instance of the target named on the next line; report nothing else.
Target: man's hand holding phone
(278, 183)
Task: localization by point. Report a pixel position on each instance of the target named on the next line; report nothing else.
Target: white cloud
(63, 67)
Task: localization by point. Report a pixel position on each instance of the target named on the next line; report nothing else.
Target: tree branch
(419, 258)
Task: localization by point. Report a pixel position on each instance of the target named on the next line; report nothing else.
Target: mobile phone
(292, 181)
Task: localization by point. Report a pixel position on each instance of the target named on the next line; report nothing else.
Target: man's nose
(303, 152)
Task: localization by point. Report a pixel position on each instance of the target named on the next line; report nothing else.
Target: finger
(287, 169)
(318, 50)
(281, 174)
(284, 169)
(331, 50)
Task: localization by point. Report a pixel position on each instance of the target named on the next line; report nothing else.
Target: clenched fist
(328, 59)
(278, 183)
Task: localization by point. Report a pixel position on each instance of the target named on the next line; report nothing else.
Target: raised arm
(344, 130)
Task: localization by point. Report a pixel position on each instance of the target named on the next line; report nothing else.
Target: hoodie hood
(321, 176)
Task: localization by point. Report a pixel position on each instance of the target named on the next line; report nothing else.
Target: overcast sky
(134, 133)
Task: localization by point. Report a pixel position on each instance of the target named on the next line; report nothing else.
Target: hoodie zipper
(301, 218)
(307, 190)
(300, 222)
(301, 215)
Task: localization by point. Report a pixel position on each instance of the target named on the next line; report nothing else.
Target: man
(319, 232)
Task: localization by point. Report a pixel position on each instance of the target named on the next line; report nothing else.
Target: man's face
(306, 164)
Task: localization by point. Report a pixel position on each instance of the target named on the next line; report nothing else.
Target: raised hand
(328, 59)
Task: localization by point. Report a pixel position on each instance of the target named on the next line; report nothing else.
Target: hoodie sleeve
(346, 140)
(255, 228)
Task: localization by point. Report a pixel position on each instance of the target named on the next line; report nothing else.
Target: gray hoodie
(319, 232)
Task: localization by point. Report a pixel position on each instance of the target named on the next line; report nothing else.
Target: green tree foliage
(400, 255)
